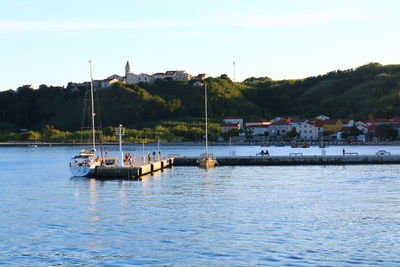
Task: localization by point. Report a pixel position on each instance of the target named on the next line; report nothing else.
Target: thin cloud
(234, 21)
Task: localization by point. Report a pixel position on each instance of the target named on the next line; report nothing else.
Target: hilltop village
(313, 129)
(132, 78)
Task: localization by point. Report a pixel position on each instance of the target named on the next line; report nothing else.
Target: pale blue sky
(50, 41)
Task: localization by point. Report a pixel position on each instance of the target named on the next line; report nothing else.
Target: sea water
(187, 216)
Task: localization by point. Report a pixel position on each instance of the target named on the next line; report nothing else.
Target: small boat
(85, 163)
(305, 146)
(206, 159)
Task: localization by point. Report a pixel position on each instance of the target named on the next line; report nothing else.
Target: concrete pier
(133, 171)
(294, 160)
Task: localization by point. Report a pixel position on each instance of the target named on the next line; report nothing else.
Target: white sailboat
(206, 160)
(85, 163)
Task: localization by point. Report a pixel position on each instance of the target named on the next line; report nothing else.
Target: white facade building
(281, 127)
(322, 117)
(106, 83)
(258, 129)
(257, 126)
(176, 75)
(307, 131)
(139, 78)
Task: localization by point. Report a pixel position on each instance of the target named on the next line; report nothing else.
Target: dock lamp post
(120, 132)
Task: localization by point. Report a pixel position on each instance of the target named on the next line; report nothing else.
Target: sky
(50, 41)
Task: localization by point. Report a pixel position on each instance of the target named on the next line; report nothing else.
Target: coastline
(37, 144)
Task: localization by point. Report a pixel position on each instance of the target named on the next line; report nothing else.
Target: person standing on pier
(130, 160)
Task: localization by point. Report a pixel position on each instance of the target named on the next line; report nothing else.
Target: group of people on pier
(262, 153)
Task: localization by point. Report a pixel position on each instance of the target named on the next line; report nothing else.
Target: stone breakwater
(295, 160)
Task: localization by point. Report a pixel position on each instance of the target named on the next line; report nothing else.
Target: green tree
(386, 131)
(292, 133)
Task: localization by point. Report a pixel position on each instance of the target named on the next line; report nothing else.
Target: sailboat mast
(92, 105)
(205, 105)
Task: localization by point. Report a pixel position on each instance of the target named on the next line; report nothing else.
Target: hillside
(369, 91)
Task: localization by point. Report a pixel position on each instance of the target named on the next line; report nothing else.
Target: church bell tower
(127, 68)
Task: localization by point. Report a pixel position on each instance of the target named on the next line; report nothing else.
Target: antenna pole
(92, 104)
(205, 104)
(234, 71)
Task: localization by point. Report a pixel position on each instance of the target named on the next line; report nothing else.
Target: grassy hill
(368, 91)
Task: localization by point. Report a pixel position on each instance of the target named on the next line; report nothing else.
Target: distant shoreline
(37, 144)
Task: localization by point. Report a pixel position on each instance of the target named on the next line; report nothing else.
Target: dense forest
(368, 91)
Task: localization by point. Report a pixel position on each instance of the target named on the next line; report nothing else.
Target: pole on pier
(230, 146)
(143, 157)
(120, 132)
(158, 149)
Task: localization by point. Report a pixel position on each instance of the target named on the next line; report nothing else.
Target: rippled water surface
(186, 216)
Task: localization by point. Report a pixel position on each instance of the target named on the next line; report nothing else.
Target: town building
(106, 83)
(307, 131)
(257, 126)
(175, 75)
(332, 125)
(282, 127)
(139, 78)
(230, 126)
(322, 118)
(347, 122)
(257, 129)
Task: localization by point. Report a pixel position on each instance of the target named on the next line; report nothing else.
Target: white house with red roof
(257, 126)
(176, 75)
(322, 118)
(367, 128)
(347, 123)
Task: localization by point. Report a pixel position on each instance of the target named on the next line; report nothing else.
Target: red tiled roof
(318, 123)
(258, 120)
(382, 120)
(396, 119)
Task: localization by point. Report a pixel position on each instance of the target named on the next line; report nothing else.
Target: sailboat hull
(82, 171)
(207, 163)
